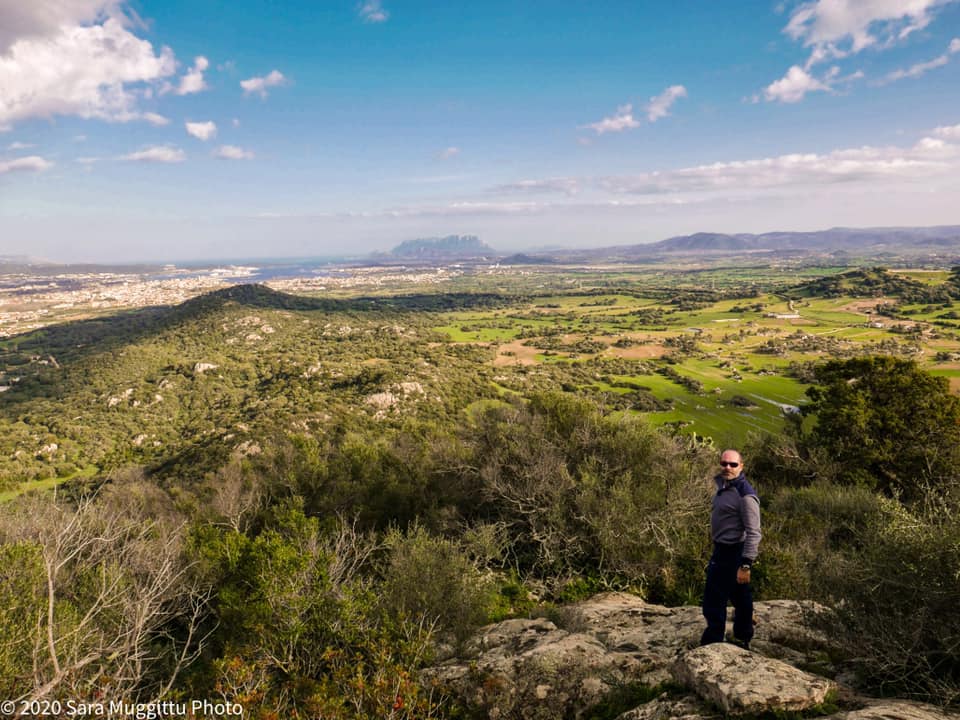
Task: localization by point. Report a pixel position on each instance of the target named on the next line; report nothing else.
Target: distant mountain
(21, 263)
(885, 243)
(706, 241)
(450, 247)
(823, 240)
(525, 259)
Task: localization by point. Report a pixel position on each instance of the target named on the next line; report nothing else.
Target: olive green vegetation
(299, 501)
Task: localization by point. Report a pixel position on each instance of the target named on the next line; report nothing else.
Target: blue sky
(174, 130)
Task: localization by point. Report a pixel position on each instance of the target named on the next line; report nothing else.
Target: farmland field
(718, 353)
(735, 353)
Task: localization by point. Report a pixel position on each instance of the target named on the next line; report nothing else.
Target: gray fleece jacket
(736, 515)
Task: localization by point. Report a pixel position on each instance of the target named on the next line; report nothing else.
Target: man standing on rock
(735, 526)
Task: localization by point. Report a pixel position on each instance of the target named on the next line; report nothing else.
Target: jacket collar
(722, 482)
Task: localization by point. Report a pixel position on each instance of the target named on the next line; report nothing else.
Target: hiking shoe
(745, 644)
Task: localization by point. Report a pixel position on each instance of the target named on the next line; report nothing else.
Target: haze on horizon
(140, 130)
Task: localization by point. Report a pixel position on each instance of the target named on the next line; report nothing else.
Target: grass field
(48, 484)
(733, 348)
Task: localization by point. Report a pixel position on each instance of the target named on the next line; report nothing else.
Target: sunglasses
(724, 463)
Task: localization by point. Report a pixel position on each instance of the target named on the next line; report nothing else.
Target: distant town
(32, 301)
(34, 293)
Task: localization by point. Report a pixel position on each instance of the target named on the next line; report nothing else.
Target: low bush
(896, 596)
(431, 579)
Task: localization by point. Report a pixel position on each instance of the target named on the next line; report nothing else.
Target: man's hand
(743, 575)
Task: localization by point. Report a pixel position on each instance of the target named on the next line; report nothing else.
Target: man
(735, 526)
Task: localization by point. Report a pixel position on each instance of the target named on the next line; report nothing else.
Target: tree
(888, 424)
(106, 603)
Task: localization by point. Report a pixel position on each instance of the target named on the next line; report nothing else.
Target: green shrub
(891, 425)
(896, 597)
(580, 588)
(301, 632)
(22, 601)
(513, 599)
(432, 578)
(805, 529)
(622, 698)
(588, 494)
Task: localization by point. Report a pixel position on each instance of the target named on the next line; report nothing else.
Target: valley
(713, 353)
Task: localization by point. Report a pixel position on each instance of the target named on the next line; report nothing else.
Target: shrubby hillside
(178, 390)
(296, 504)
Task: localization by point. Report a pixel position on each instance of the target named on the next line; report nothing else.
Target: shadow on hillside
(72, 341)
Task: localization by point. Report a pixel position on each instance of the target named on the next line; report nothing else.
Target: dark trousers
(722, 586)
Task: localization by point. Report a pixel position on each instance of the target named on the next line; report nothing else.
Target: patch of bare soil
(861, 306)
(515, 353)
(638, 352)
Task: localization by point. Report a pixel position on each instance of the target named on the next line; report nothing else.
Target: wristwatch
(745, 567)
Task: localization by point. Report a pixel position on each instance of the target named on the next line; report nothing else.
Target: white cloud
(33, 163)
(232, 152)
(929, 157)
(42, 18)
(19, 146)
(202, 130)
(259, 85)
(158, 154)
(448, 153)
(929, 143)
(372, 12)
(874, 169)
(87, 160)
(951, 132)
(793, 86)
(82, 70)
(565, 185)
(919, 69)
(621, 120)
(462, 208)
(235, 122)
(659, 105)
(838, 28)
(193, 81)
(154, 119)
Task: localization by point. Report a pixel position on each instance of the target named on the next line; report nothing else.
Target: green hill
(179, 389)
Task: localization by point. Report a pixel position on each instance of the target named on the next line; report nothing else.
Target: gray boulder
(742, 682)
(665, 708)
(540, 669)
(528, 668)
(692, 708)
(895, 710)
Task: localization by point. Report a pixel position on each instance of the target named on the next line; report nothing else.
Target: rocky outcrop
(691, 708)
(522, 663)
(614, 643)
(741, 682)
(894, 710)
(666, 708)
